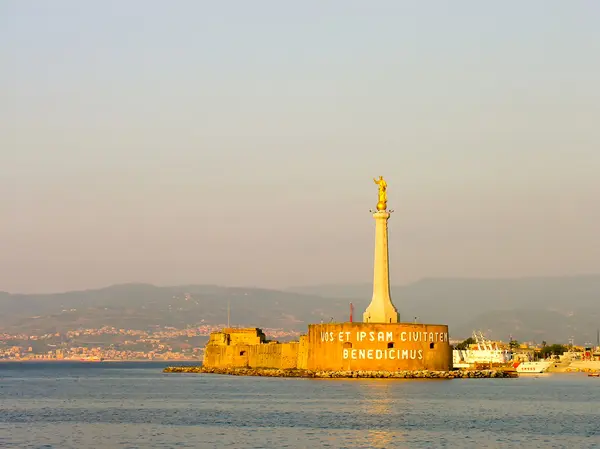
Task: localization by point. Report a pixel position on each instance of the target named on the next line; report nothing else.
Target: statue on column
(382, 200)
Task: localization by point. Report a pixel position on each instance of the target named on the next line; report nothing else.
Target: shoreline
(98, 361)
(307, 374)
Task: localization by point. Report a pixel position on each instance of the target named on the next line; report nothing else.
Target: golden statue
(382, 201)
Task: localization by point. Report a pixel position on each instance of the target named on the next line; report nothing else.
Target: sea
(135, 405)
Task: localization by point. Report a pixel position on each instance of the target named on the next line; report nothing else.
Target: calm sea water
(135, 405)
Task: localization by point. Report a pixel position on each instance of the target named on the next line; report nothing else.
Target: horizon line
(293, 287)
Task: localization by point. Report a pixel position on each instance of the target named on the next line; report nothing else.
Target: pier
(301, 373)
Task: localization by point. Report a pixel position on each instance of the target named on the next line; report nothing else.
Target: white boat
(533, 367)
(486, 352)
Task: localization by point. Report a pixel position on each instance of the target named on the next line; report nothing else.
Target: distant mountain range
(141, 306)
(535, 308)
(551, 309)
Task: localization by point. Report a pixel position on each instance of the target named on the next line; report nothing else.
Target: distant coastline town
(112, 344)
(171, 344)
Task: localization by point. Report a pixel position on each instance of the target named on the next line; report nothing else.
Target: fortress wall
(218, 338)
(338, 347)
(273, 355)
(303, 352)
(223, 356)
(289, 355)
(378, 346)
(247, 336)
(264, 355)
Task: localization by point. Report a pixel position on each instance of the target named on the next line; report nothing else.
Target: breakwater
(270, 372)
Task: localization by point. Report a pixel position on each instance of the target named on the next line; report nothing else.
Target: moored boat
(532, 367)
(482, 353)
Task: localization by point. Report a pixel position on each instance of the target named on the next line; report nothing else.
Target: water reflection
(376, 400)
(382, 438)
(116, 408)
(376, 397)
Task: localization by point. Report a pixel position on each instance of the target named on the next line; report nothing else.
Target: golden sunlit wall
(378, 347)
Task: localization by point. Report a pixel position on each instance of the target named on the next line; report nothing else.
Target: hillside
(541, 308)
(551, 309)
(140, 306)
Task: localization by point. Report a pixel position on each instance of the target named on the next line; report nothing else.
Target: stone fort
(381, 342)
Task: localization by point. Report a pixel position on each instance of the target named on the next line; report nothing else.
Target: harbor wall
(379, 347)
(585, 365)
(245, 352)
(303, 352)
(336, 347)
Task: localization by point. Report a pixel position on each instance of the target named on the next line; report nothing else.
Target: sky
(235, 142)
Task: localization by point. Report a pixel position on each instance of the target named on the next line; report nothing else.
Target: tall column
(381, 309)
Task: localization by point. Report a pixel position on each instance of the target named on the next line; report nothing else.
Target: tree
(514, 344)
(465, 344)
(554, 349)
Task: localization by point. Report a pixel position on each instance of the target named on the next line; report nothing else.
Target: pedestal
(381, 309)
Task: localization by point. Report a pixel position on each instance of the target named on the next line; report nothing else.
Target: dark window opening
(431, 345)
(390, 345)
(242, 352)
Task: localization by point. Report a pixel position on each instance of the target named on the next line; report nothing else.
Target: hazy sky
(235, 142)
